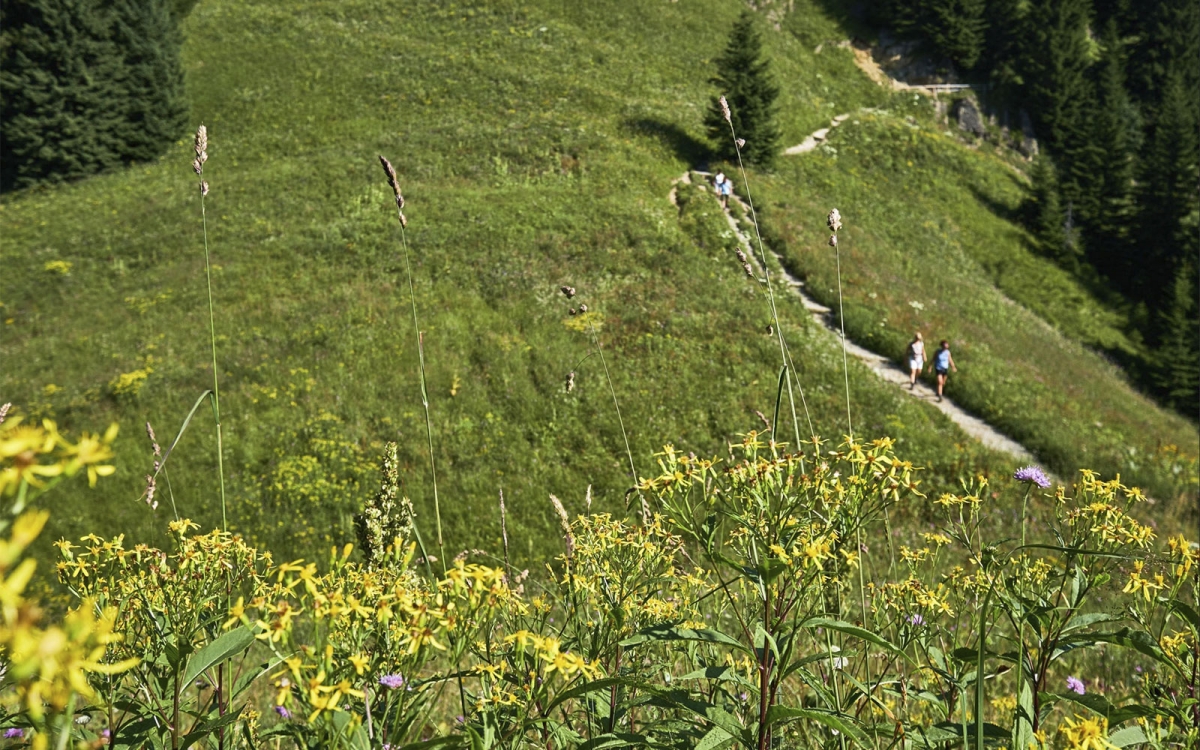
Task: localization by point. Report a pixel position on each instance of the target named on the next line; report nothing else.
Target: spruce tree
(85, 86)
(1055, 64)
(1116, 131)
(954, 28)
(1168, 176)
(61, 78)
(1177, 372)
(147, 33)
(1044, 213)
(744, 78)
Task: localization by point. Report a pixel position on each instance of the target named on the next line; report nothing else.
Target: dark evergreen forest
(1112, 88)
(87, 85)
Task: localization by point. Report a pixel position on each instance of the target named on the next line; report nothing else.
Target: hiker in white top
(916, 359)
(723, 187)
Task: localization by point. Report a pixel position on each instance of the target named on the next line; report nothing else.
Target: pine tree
(86, 85)
(744, 78)
(1116, 131)
(955, 28)
(1055, 62)
(1177, 373)
(1169, 174)
(147, 33)
(1044, 213)
(60, 76)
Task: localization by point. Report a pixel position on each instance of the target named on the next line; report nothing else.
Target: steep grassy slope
(536, 143)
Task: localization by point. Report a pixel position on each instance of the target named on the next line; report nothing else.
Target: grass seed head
(749, 271)
(741, 142)
(153, 439)
(834, 220)
(393, 183)
(568, 290)
(4, 411)
(565, 521)
(203, 187)
(741, 256)
(833, 240)
(725, 110)
(570, 381)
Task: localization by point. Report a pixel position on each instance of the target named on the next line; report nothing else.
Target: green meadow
(536, 143)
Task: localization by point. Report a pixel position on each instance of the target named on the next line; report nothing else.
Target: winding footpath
(876, 363)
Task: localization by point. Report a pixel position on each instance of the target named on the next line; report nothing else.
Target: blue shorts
(940, 371)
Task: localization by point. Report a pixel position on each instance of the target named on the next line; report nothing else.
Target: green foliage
(86, 86)
(1178, 355)
(1044, 212)
(744, 78)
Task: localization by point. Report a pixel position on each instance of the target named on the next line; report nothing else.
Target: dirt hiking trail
(876, 363)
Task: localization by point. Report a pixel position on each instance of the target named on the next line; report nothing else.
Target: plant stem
(212, 335)
(842, 321)
(412, 295)
(620, 421)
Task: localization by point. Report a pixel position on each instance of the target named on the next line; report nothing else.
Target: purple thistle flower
(1075, 684)
(282, 711)
(14, 733)
(916, 619)
(392, 681)
(1032, 474)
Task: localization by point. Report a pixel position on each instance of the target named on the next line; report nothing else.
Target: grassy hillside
(536, 144)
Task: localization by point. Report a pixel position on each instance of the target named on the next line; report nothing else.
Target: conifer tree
(1169, 174)
(744, 78)
(955, 28)
(1177, 373)
(86, 85)
(1116, 131)
(1055, 64)
(1044, 212)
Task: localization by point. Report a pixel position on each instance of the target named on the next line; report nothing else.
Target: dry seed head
(393, 183)
(741, 256)
(587, 500)
(201, 143)
(835, 220)
(741, 142)
(725, 110)
(749, 271)
(203, 187)
(565, 521)
(583, 308)
(568, 290)
(151, 488)
(770, 329)
(570, 381)
(4, 411)
(833, 240)
(153, 439)
(197, 166)
(403, 221)
(572, 310)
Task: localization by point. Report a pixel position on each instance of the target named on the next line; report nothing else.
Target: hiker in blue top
(942, 364)
(723, 187)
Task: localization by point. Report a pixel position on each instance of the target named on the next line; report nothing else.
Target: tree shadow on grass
(694, 151)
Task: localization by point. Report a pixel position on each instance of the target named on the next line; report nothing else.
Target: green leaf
(1127, 736)
(233, 642)
(1099, 704)
(208, 727)
(590, 687)
(715, 714)
(1091, 618)
(1184, 610)
(716, 739)
(673, 633)
(721, 674)
(842, 626)
(842, 723)
(450, 740)
(1137, 640)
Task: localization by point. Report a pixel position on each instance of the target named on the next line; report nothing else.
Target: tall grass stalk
(762, 253)
(201, 148)
(620, 421)
(412, 296)
(835, 223)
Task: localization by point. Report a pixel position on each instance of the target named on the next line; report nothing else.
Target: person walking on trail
(723, 187)
(943, 363)
(916, 359)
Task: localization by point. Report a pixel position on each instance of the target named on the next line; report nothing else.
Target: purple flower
(282, 711)
(1032, 474)
(916, 619)
(1074, 683)
(14, 733)
(392, 681)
